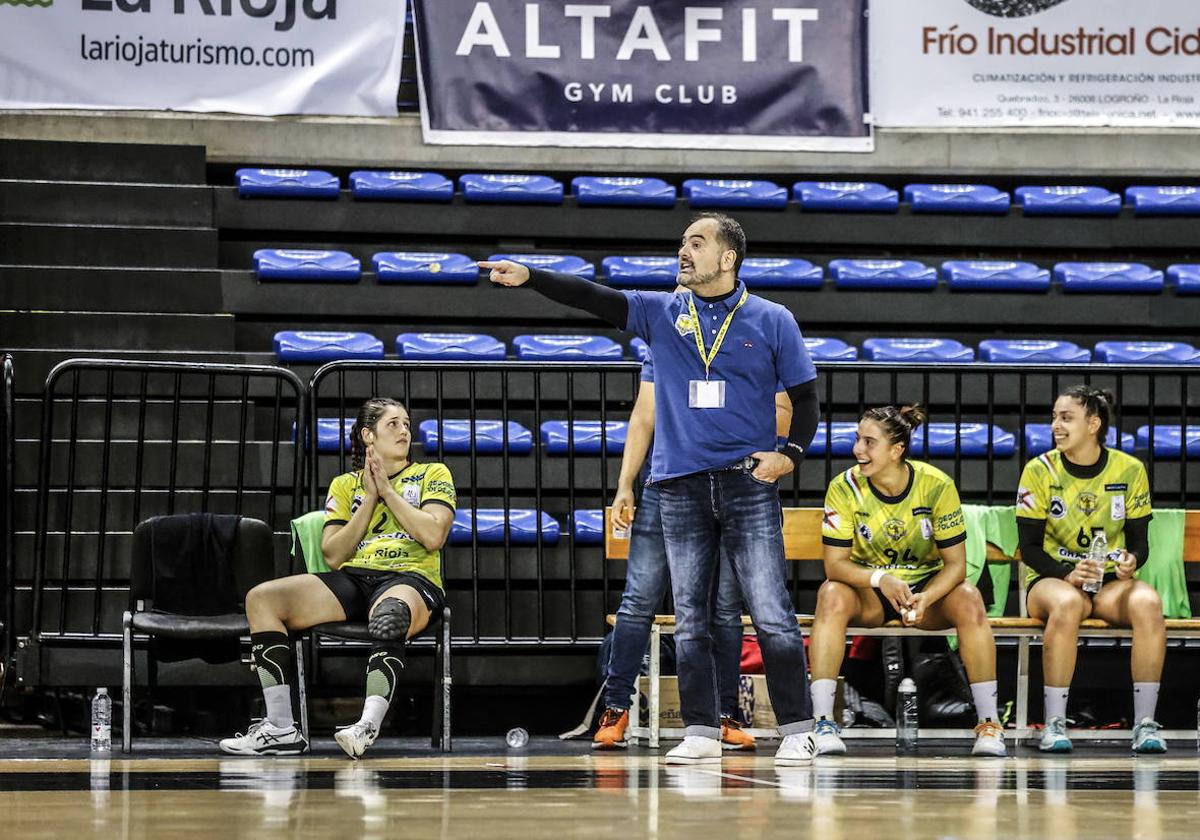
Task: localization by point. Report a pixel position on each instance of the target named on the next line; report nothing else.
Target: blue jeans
(646, 581)
(732, 513)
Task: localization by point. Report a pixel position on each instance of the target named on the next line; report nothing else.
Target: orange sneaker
(733, 737)
(611, 734)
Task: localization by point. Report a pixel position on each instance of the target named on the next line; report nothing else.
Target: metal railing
(7, 547)
(122, 441)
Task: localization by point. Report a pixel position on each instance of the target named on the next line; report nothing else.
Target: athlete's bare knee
(836, 600)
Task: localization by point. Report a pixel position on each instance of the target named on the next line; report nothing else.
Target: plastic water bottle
(906, 717)
(517, 738)
(1198, 726)
(101, 721)
(1097, 556)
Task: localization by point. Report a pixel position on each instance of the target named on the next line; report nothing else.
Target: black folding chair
(251, 560)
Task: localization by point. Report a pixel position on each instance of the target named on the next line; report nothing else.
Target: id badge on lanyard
(709, 392)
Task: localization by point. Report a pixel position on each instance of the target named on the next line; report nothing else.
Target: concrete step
(85, 289)
(116, 331)
(95, 245)
(83, 202)
(129, 162)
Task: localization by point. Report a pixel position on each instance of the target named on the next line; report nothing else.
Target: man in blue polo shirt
(719, 353)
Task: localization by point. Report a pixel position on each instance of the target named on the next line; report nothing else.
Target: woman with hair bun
(385, 525)
(895, 549)
(1067, 497)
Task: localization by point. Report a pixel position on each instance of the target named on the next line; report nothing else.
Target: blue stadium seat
(1147, 353)
(1124, 278)
(287, 183)
(1032, 351)
(656, 272)
(1164, 201)
(853, 196)
(616, 191)
(641, 350)
(916, 350)
(705, 193)
(567, 348)
(586, 434)
(842, 432)
(455, 437)
(310, 346)
(567, 264)
(400, 186)
(449, 347)
(489, 527)
(1068, 201)
(500, 188)
(588, 527)
(882, 274)
(830, 350)
(321, 266)
(780, 273)
(1170, 440)
(1038, 439)
(1185, 278)
(973, 440)
(425, 267)
(327, 434)
(995, 276)
(956, 198)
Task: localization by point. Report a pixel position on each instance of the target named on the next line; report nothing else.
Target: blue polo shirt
(763, 352)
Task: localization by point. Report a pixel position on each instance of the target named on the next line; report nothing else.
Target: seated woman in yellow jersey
(895, 549)
(1067, 498)
(385, 525)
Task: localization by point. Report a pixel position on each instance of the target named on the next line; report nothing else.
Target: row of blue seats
(292, 264)
(316, 346)
(487, 525)
(590, 437)
(716, 193)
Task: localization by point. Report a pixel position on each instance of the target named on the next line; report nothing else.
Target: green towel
(306, 535)
(991, 524)
(1164, 568)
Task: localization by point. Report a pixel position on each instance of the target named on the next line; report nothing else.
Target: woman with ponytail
(895, 549)
(1067, 498)
(385, 525)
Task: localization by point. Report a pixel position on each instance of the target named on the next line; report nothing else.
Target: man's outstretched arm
(605, 303)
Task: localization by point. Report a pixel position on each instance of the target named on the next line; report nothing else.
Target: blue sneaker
(1054, 737)
(1146, 738)
(827, 737)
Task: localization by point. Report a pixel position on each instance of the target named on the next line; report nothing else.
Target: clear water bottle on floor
(517, 738)
(1097, 556)
(906, 717)
(101, 721)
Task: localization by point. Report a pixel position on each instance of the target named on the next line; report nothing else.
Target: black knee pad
(390, 620)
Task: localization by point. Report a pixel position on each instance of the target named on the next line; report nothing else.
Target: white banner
(948, 63)
(261, 57)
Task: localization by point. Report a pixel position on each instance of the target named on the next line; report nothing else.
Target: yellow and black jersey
(1074, 508)
(901, 534)
(386, 546)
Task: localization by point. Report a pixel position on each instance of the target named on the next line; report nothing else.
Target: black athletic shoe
(390, 620)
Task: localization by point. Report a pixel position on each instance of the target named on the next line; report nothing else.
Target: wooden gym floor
(177, 788)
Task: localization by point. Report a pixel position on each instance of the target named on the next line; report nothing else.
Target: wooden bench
(802, 543)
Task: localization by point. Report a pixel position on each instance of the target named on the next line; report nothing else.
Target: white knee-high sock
(1055, 700)
(1145, 700)
(823, 693)
(984, 694)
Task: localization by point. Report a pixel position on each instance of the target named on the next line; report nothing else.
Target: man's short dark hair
(730, 235)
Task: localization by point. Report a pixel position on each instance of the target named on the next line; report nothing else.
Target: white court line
(740, 778)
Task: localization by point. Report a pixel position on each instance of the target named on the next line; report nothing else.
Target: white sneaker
(696, 749)
(795, 749)
(989, 740)
(263, 738)
(827, 738)
(355, 738)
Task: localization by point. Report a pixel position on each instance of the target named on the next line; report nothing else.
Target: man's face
(701, 256)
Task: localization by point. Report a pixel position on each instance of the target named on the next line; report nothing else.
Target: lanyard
(707, 357)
